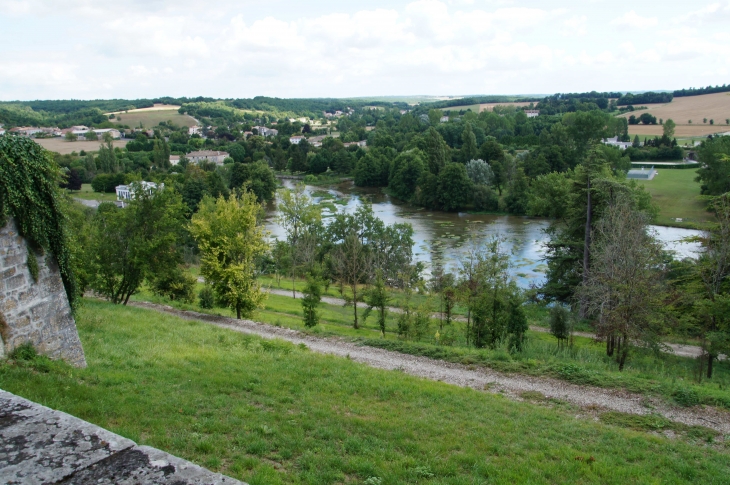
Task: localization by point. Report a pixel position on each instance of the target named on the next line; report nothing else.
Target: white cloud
(575, 25)
(632, 20)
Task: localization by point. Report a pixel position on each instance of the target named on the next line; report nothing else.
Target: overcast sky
(87, 49)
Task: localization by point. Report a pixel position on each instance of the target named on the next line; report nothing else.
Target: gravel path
(678, 349)
(480, 378)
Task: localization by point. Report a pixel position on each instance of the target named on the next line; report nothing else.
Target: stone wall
(34, 311)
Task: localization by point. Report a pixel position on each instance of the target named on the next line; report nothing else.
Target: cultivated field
(151, 117)
(155, 107)
(681, 110)
(478, 108)
(60, 145)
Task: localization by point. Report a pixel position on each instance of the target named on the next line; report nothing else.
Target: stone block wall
(34, 311)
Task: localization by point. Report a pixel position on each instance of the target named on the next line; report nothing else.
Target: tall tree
(624, 289)
(468, 144)
(231, 239)
(436, 150)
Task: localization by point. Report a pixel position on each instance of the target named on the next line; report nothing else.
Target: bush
(174, 284)
(24, 352)
(107, 182)
(485, 199)
(686, 397)
(207, 299)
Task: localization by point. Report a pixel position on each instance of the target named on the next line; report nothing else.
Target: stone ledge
(41, 446)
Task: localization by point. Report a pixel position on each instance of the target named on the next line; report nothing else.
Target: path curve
(477, 378)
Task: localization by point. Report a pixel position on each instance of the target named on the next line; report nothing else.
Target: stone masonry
(40, 446)
(34, 311)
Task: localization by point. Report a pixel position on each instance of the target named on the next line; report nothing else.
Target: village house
(532, 113)
(194, 130)
(207, 156)
(174, 159)
(294, 140)
(26, 130)
(444, 119)
(263, 131)
(622, 145)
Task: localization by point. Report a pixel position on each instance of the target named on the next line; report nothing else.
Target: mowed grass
(268, 412)
(677, 195)
(152, 118)
(87, 193)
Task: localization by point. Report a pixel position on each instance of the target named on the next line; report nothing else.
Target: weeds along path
(678, 349)
(513, 385)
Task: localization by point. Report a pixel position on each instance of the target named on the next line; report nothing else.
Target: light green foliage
(231, 238)
(297, 212)
(479, 172)
(561, 324)
(206, 298)
(714, 171)
(377, 297)
(668, 128)
(29, 193)
(91, 135)
(548, 195)
(107, 158)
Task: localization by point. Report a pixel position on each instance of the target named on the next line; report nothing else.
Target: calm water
(448, 235)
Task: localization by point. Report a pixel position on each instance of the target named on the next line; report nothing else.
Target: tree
(668, 128)
(231, 238)
(161, 154)
(91, 135)
(454, 186)
(714, 171)
(436, 150)
(256, 177)
(561, 325)
(107, 158)
(405, 172)
(518, 197)
(132, 244)
(71, 136)
(74, 180)
(479, 172)
(312, 295)
(352, 263)
(297, 212)
(468, 144)
(377, 298)
(624, 288)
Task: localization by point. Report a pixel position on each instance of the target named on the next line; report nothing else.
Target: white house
(26, 130)
(116, 134)
(263, 131)
(532, 113)
(294, 140)
(2, 131)
(174, 159)
(444, 119)
(126, 192)
(622, 145)
(194, 130)
(207, 156)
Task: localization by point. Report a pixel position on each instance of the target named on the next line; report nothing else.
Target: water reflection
(446, 236)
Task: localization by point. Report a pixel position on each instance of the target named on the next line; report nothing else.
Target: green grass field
(152, 118)
(269, 412)
(678, 196)
(87, 193)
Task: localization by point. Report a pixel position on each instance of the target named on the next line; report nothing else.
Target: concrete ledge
(41, 446)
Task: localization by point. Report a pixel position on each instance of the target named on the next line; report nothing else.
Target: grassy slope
(669, 377)
(677, 195)
(269, 412)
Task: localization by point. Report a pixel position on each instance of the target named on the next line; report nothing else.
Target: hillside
(711, 106)
(152, 116)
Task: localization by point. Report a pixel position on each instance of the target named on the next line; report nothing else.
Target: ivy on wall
(29, 193)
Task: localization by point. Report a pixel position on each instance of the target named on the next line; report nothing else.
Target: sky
(85, 49)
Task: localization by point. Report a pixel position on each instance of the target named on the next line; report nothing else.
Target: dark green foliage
(377, 298)
(714, 172)
(561, 325)
(258, 176)
(174, 283)
(405, 172)
(29, 180)
(644, 98)
(107, 182)
(454, 187)
(206, 298)
(24, 352)
(32, 262)
(312, 296)
(518, 197)
(372, 169)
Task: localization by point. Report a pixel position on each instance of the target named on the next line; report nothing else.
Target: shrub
(174, 284)
(485, 199)
(24, 352)
(686, 397)
(207, 300)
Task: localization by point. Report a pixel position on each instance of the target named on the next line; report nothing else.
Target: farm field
(678, 196)
(60, 145)
(156, 107)
(151, 117)
(270, 412)
(478, 108)
(711, 106)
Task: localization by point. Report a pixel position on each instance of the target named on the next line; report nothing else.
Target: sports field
(678, 196)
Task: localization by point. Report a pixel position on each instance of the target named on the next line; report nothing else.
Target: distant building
(116, 134)
(444, 119)
(194, 130)
(641, 173)
(207, 156)
(294, 140)
(532, 113)
(263, 131)
(174, 159)
(2, 131)
(26, 130)
(126, 192)
(622, 145)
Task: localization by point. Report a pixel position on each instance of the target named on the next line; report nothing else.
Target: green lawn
(269, 412)
(87, 193)
(678, 196)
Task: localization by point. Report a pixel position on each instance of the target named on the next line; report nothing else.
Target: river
(448, 235)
